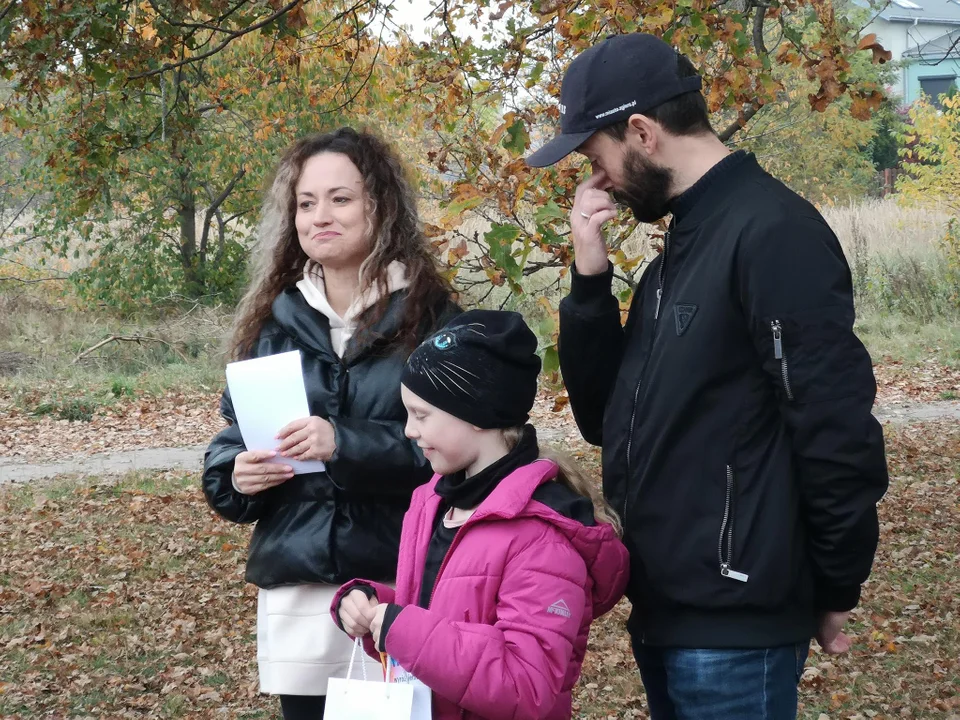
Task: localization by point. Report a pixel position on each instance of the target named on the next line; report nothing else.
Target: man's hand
(592, 207)
(830, 634)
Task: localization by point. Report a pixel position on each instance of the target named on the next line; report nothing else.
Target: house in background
(924, 38)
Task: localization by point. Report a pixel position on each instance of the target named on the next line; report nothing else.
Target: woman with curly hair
(343, 273)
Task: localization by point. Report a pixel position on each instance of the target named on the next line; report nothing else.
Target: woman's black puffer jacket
(344, 523)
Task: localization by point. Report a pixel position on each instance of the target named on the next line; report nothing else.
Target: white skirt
(298, 645)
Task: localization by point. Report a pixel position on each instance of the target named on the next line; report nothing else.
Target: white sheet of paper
(267, 393)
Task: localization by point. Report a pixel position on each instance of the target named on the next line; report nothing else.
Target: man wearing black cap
(734, 407)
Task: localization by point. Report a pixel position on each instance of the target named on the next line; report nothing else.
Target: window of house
(934, 87)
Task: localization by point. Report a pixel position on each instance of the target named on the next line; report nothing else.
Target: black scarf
(465, 493)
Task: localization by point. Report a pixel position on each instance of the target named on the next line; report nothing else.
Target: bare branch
(127, 338)
(870, 21)
(18, 213)
(34, 281)
(533, 267)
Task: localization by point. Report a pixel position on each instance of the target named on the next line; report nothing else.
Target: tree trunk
(187, 214)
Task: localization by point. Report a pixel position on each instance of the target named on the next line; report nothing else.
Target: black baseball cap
(616, 78)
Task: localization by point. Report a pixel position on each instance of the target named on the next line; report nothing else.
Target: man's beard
(646, 187)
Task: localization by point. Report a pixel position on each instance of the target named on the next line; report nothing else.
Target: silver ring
(583, 214)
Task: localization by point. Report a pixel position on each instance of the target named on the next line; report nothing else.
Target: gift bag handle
(353, 657)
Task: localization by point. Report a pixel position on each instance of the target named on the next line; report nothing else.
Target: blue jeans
(684, 684)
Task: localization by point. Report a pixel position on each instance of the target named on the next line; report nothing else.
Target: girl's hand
(376, 623)
(357, 611)
(252, 474)
(310, 438)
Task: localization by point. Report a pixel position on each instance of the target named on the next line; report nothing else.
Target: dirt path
(904, 413)
(186, 458)
(191, 457)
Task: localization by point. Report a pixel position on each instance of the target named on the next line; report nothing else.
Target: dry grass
(888, 227)
(41, 341)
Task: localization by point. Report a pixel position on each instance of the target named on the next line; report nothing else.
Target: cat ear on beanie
(482, 368)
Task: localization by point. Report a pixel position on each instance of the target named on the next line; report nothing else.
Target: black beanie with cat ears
(482, 368)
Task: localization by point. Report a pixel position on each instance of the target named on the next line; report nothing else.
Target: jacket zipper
(726, 533)
(661, 276)
(778, 354)
(662, 273)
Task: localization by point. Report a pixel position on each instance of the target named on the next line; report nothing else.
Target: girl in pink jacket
(506, 557)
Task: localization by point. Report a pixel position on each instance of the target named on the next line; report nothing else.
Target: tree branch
(740, 123)
(232, 35)
(221, 238)
(760, 13)
(199, 26)
(34, 281)
(127, 338)
(18, 213)
(215, 204)
(6, 11)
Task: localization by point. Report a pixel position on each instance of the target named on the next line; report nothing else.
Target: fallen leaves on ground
(127, 600)
(926, 381)
(124, 601)
(175, 419)
(906, 661)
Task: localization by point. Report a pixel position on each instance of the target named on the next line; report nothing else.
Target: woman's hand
(356, 612)
(310, 438)
(252, 473)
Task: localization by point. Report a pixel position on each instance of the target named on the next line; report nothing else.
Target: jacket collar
(721, 183)
(604, 554)
(311, 329)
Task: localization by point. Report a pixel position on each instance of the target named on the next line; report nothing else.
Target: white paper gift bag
(422, 696)
(365, 699)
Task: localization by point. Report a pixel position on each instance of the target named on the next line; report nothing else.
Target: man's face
(633, 178)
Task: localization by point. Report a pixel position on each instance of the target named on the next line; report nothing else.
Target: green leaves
(549, 211)
(501, 239)
(516, 140)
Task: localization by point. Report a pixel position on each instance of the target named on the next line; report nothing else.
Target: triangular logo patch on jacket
(684, 316)
(559, 608)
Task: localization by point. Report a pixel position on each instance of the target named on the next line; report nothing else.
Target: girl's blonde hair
(571, 475)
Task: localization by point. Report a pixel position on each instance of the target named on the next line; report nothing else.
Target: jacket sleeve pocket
(797, 298)
(813, 355)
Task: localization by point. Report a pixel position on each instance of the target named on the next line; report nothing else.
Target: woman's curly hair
(395, 232)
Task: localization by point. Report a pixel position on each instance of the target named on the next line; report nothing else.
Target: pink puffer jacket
(506, 631)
